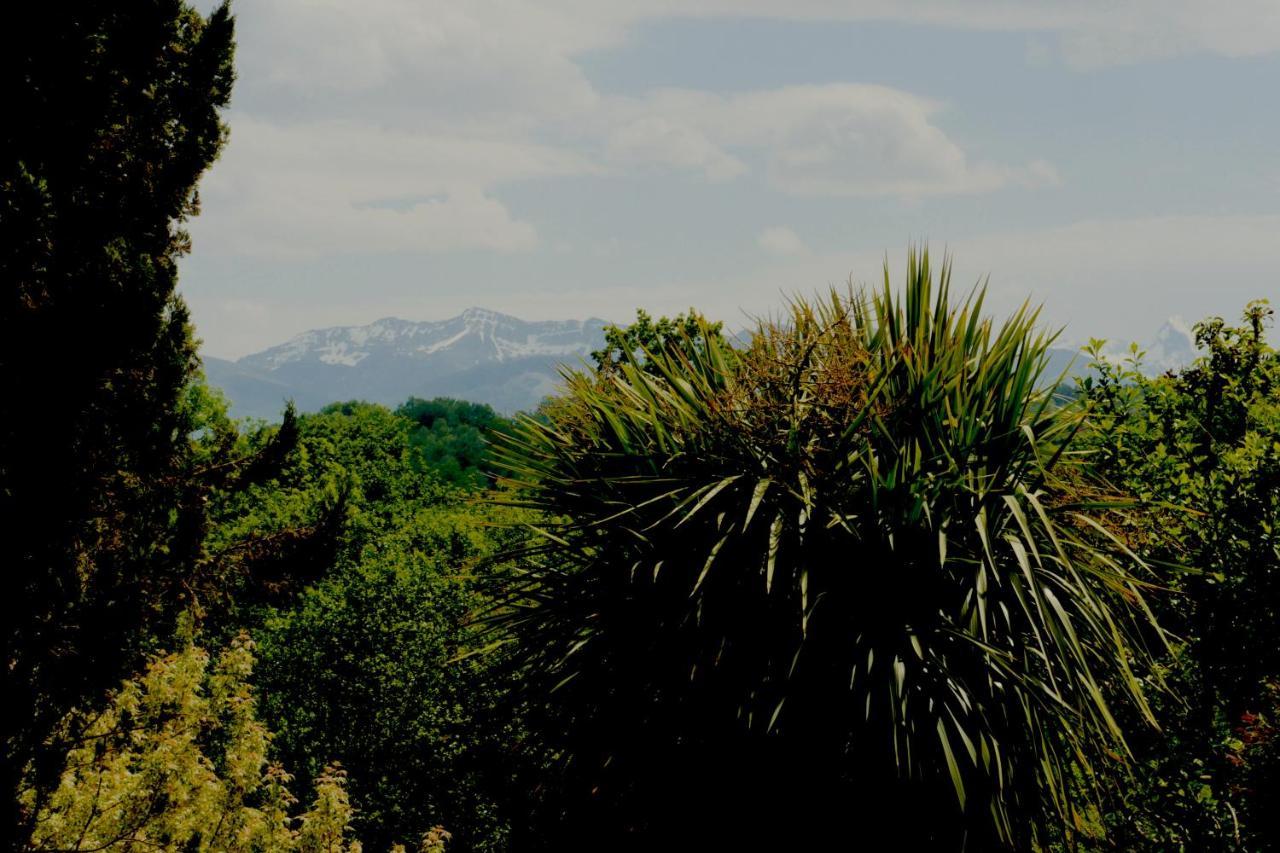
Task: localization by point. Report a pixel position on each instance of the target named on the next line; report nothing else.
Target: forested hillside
(857, 574)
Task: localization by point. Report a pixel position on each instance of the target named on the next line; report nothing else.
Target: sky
(1117, 161)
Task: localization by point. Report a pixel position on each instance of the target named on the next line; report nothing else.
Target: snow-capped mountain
(1174, 347)
(493, 358)
(479, 355)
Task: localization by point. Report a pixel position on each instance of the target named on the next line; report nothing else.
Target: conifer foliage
(113, 116)
(178, 760)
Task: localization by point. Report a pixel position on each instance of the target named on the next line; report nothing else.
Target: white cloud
(315, 188)
(656, 139)
(500, 59)
(396, 125)
(847, 139)
(1140, 31)
(1088, 33)
(393, 125)
(511, 60)
(781, 240)
(841, 139)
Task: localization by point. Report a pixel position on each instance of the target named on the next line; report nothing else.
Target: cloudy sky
(1117, 160)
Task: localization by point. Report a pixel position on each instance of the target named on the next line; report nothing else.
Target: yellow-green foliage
(177, 760)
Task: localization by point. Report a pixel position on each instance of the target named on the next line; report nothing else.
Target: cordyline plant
(848, 566)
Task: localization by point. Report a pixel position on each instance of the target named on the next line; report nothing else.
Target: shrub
(177, 760)
(849, 571)
(1201, 448)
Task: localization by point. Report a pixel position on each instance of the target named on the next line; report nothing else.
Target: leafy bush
(452, 438)
(362, 662)
(371, 668)
(1202, 448)
(177, 760)
(640, 341)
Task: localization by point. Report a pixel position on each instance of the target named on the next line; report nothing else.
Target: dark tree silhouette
(113, 115)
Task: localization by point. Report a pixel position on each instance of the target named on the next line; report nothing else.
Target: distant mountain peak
(487, 356)
(477, 314)
(1173, 347)
(481, 355)
(1177, 325)
(475, 335)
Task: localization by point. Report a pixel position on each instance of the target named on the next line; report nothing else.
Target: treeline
(861, 575)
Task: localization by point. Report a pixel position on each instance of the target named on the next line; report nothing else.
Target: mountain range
(482, 356)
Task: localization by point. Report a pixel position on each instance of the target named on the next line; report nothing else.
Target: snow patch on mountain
(480, 355)
(1172, 347)
(427, 349)
(511, 364)
(480, 334)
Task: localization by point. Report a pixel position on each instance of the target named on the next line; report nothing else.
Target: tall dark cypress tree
(112, 115)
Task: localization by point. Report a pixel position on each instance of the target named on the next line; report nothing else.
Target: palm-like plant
(861, 542)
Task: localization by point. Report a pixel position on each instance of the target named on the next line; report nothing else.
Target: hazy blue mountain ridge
(480, 355)
(485, 357)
